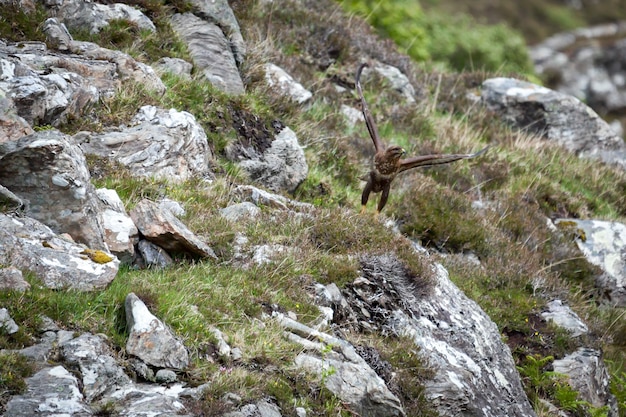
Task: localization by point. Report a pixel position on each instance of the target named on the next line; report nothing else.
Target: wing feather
(436, 159)
(369, 120)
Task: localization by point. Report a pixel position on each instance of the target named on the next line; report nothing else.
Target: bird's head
(395, 152)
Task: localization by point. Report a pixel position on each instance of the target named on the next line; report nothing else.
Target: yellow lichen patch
(97, 256)
(572, 226)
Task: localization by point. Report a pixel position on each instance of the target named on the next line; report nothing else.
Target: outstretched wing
(436, 159)
(369, 120)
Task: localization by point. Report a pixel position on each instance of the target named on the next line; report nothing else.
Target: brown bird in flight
(388, 161)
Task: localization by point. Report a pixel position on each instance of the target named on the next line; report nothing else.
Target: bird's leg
(366, 194)
(383, 198)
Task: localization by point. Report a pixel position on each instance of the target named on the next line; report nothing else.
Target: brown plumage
(388, 161)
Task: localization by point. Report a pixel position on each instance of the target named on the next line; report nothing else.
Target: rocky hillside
(180, 185)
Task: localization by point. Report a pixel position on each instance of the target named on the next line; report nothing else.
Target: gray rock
(219, 12)
(238, 211)
(174, 206)
(276, 76)
(588, 375)
(12, 125)
(281, 167)
(9, 201)
(210, 51)
(475, 374)
(7, 324)
(264, 254)
(11, 278)
(351, 379)
(586, 63)
(45, 88)
(100, 372)
(564, 317)
(165, 376)
(175, 66)
(264, 198)
(86, 15)
(49, 173)
(153, 255)
(604, 245)
(353, 116)
(51, 392)
(141, 400)
(161, 143)
(150, 340)
(558, 117)
(164, 229)
(397, 79)
(29, 245)
(120, 233)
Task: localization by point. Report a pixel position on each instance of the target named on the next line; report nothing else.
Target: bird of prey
(389, 162)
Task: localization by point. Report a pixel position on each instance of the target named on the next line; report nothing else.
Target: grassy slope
(523, 179)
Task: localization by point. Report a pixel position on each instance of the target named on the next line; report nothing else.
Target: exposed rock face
(160, 143)
(162, 228)
(604, 244)
(564, 317)
(49, 173)
(12, 279)
(588, 375)
(120, 233)
(353, 380)
(474, 371)
(150, 340)
(210, 51)
(93, 357)
(85, 15)
(276, 76)
(50, 391)
(12, 125)
(7, 325)
(31, 246)
(281, 167)
(587, 63)
(219, 12)
(556, 116)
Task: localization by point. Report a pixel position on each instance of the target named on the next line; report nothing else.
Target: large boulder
(160, 143)
(219, 12)
(557, 117)
(49, 173)
(28, 245)
(474, 372)
(210, 51)
(93, 17)
(280, 167)
(586, 373)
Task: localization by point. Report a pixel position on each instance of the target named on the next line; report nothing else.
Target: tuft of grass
(13, 369)
(18, 23)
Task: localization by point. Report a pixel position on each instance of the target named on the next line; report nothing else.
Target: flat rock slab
(30, 245)
(51, 392)
(163, 228)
